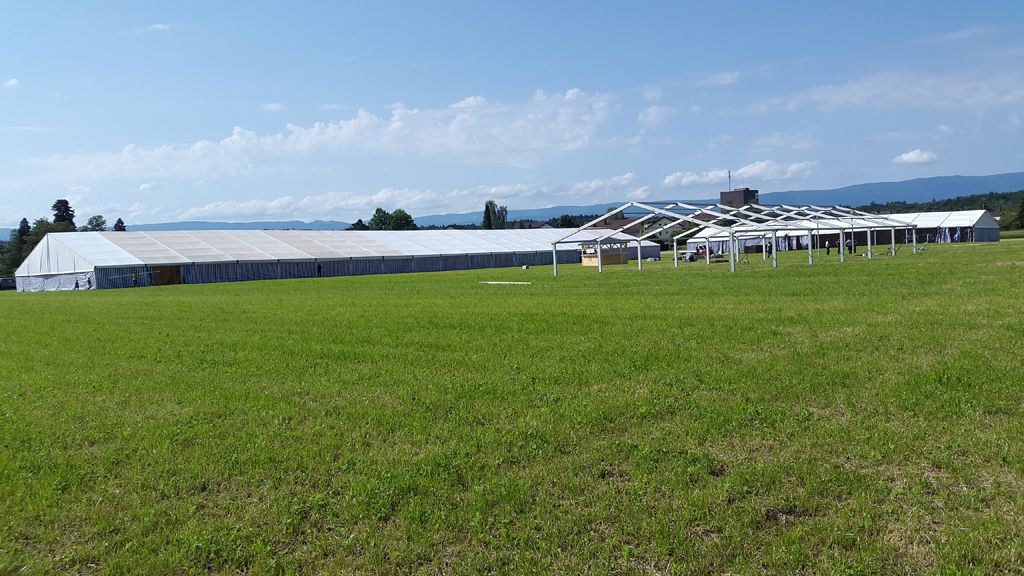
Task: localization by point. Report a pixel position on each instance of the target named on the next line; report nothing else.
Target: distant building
(739, 197)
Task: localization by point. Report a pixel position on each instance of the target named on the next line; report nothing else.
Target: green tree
(488, 221)
(500, 217)
(119, 226)
(95, 223)
(358, 225)
(565, 221)
(400, 220)
(495, 217)
(14, 252)
(379, 220)
(1020, 213)
(63, 213)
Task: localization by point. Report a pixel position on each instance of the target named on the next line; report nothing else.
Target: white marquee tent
(90, 260)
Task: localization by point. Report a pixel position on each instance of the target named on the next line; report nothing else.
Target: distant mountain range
(916, 190)
(269, 225)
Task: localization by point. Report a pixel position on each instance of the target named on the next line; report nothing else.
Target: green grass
(1009, 234)
(863, 418)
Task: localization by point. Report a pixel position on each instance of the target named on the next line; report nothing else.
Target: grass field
(863, 418)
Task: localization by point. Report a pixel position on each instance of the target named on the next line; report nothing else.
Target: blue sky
(163, 111)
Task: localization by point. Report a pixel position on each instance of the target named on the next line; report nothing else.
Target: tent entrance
(166, 275)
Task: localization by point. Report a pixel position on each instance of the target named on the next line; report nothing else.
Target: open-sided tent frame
(722, 222)
(810, 220)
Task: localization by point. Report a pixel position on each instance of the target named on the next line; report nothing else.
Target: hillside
(995, 202)
(915, 190)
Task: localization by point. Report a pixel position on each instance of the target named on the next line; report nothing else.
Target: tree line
(384, 220)
(1009, 206)
(27, 236)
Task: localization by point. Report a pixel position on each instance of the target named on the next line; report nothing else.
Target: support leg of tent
(810, 248)
(600, 264)
(892, 232)
(639, 256)
(775, 249)
(913, 232)
(764, 247)
(707, 250)
(675, 252)
(842, 245)
(732, 253)
(554, 259)
(869, 242)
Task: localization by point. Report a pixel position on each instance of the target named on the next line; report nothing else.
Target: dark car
(7, 284)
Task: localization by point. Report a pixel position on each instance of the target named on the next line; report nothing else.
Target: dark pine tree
(63, 213)
(119, 226)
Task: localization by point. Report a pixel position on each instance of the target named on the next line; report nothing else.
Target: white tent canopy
(69, 259)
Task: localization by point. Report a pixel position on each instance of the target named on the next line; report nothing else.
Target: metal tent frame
(723, 222)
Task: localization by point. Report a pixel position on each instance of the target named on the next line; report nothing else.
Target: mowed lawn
(857, 418)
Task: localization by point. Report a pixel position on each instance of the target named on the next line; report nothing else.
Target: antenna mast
(730, 180)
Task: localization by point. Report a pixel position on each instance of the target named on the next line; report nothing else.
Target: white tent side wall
(53, 266)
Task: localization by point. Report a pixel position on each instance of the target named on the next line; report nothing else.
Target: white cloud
(328, 107)
(787, 141)
(654, 116)
(640, 193)
(12, 83)
(943, 130)
(151, 185)
(764, 170)
(652, 93)
(684, 179)
(887, 90)
(418, 202)
(512, 134)
(720, 79)
(471, 102)
(966, 33)
(915, 156)
(272, 107)
(158, 27)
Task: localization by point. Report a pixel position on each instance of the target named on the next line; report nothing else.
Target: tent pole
(732, 253)
(842, 245)
(810, 248)
(675, 252)
(554, 259)
(869, 242)
(775, 249)
(764, 247)
(913, 231)
(599, 257)
(639, 256)
(892, 232)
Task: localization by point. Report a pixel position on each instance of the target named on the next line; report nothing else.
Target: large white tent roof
(961, 219)
(67, 252)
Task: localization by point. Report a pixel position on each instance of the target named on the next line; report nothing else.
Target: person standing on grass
(828, 247)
